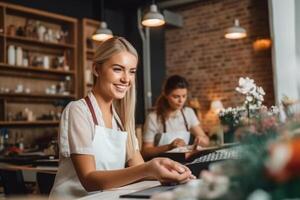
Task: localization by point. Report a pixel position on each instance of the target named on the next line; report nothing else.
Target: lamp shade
(236, 31)
(153, 18)
(102, 33)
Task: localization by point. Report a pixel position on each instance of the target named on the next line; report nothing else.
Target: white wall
(285, 62)
(297, 14)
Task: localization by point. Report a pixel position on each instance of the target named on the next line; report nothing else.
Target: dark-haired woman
(171, 124)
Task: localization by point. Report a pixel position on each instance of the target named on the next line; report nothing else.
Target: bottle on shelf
(68, 84)
(46, 62)
(19, 56)
(25, 59)
(6, 139)
(20, 142)
(11, 55)
(41, 30)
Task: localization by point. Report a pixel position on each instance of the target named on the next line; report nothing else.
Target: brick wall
(213, 64)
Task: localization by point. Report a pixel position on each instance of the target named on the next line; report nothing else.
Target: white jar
(41, 32)
(11, 55)
(46, 64)
(19, 56)
(25, 62)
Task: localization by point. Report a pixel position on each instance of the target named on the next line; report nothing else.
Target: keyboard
(222, 154)
(203, 162)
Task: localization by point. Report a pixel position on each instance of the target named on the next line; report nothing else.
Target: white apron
(168, 137)
(109, 148)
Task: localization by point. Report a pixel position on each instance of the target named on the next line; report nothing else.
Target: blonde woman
(97, 138)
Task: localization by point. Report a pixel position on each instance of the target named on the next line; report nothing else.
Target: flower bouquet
(251, 112)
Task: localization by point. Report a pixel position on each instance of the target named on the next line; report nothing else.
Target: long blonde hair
(125, 107)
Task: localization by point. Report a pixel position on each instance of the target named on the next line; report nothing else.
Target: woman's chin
(119, 95)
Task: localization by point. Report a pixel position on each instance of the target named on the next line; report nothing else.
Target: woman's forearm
(101, 180)
(149, 152)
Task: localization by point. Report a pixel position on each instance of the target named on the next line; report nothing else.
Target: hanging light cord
(102, 10)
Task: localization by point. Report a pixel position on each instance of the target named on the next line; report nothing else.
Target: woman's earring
(95, 74)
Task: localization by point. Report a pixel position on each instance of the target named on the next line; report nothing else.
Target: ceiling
(119, 4)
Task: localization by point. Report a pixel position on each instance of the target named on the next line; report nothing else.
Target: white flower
(252, 107)
(264, 108)
(260, 90)
(274, 110)
(246, 85)
(259, 103)
(258, 96)
(249, 98)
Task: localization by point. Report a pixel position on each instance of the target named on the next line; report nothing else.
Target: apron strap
(184, 119)
(185, 122)
(90, 106)
(119, 124)
(164, 124)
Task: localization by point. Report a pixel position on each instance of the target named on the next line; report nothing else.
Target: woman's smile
(121, 88)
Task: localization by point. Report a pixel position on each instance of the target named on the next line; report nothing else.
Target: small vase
(19, 56)
(46, 64)
(11, 55)
(41, 32)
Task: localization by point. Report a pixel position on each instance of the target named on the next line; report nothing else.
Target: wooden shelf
(37, 42)
(30, 123)
(34, 13)
(86, 52)
(36, 78)
(35, 69)
(32, 95)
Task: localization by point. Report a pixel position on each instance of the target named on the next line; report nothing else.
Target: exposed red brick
(213, 64)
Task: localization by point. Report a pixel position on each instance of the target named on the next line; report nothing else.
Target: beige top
(77, 127)
(79, 134)
(173, 124)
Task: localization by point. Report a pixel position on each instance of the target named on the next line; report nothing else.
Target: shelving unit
(37, 42)
(36, 70)
(46, 79)
(86, 51)
(29, 124)
(32, 95)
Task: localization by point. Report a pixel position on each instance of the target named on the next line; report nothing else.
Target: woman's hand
(201, 140)
(166, 170)
(178, 142)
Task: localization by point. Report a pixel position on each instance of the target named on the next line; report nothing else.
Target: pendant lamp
(153, 18)
(103, 32)
(236, 31)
